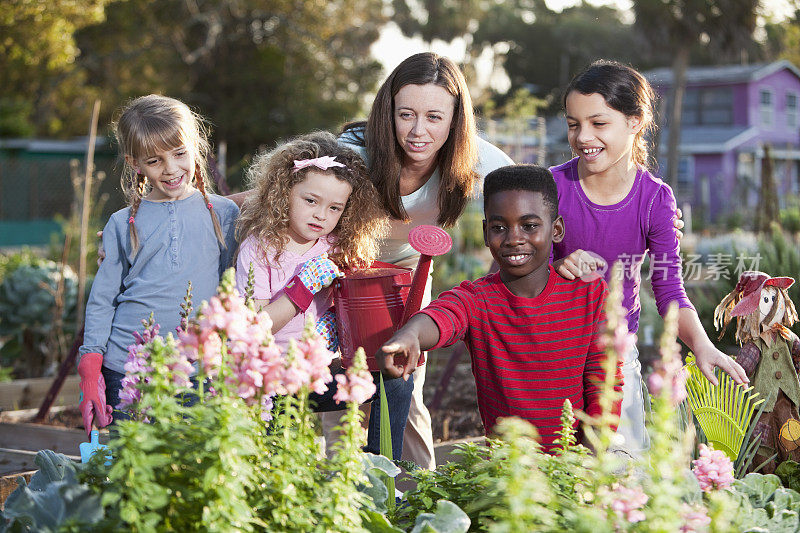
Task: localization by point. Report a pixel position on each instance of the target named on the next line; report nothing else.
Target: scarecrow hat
(749, 287)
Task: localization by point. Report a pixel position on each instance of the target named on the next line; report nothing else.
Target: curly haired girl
(314, 210)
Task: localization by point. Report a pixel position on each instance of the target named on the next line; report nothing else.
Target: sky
(392, 46)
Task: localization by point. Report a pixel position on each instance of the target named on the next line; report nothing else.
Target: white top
(422, 205)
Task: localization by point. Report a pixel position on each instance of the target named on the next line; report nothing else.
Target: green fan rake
(723, 411)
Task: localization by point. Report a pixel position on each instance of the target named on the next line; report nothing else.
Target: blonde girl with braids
(174, 231)
(616, 210)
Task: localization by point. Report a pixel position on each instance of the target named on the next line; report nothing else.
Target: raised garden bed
(29, 393)
(19, 443)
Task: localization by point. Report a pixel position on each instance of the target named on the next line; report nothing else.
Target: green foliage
(448, 518)
(386, 442)
(39, 60)
(53, 501)
(15, 118)
(464, 482)
(10, 262)
(36, 305)
(547, 47)
(790, 219)
(789, 473)
(305, 60)
(763, 505)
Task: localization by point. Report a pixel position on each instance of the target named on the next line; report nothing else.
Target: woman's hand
(580, 263)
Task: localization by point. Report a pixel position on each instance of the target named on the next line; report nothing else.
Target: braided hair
(152, 123)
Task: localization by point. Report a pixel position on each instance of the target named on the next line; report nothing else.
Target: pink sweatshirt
(269, 282)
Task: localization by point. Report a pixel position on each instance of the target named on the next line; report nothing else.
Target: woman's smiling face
(423, 115)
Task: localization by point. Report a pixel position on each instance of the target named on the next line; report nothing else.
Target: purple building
(729, 114)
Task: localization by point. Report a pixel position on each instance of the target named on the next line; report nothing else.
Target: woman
(427, 162)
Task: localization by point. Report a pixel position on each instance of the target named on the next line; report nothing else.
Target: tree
(783, 37)
(42, 90)
(260, 71)
(767, 212)
(545, 48)
(677, 26)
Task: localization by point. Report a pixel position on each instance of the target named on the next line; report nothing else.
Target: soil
(67, 416)
(457, 416)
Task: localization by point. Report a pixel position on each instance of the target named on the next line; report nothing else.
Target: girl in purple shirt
(614, 209)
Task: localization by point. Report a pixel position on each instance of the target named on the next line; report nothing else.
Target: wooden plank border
(30, 393)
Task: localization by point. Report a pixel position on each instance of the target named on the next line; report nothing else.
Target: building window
(708, 107)
(765, 108)
(685, 177)
(791, 110)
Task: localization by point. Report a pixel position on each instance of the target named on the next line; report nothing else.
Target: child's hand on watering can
(316, 274)
(398, 357)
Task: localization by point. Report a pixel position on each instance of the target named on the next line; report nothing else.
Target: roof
(710, 140)
(51, 146)
(718, 74)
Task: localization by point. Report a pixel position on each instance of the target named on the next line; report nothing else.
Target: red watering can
(371, 304)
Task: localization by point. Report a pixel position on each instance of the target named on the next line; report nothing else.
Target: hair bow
(324, 163)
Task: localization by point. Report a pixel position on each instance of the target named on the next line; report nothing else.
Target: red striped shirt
(529, 354)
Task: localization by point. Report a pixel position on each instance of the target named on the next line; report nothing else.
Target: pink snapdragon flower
(129, 394)
(228, 332)
(628, 502)
(354, 386)
(621, 339)
(314, 350)
(149, 333)
(180, 370)
(266, 408)
(669, 372)
(713, 469)
(695, 519)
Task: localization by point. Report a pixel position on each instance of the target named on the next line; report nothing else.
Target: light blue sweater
(177, 244)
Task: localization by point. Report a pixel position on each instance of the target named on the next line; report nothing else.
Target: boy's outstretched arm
(399, 355)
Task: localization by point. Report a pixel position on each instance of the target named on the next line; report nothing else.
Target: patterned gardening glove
(326, 328)
(316, 274)
(93, 392)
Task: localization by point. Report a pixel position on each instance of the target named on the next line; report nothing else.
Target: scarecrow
(770, 354)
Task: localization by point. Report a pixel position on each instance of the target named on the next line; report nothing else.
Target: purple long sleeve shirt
(641, 223)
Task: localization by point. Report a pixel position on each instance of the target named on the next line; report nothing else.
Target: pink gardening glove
(93, 392)
(316, 274)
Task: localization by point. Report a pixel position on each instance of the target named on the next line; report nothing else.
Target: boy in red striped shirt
(533, 335)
